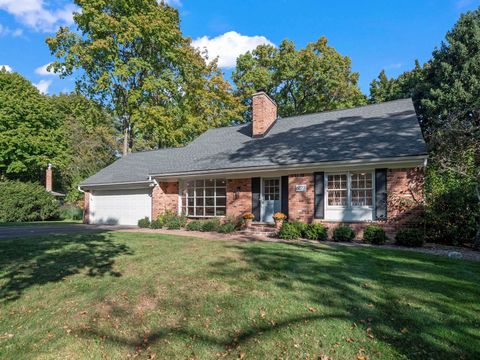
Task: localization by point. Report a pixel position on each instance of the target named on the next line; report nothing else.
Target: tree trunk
(125, 141)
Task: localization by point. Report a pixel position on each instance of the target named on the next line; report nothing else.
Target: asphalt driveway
(8, 232)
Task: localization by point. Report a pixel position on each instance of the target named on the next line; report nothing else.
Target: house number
(301, 188)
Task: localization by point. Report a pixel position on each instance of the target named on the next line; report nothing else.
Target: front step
(261, 229)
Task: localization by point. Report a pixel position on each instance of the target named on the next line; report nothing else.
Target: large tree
(89, 136)
(312, 79)
(133, 58)
(29, 130)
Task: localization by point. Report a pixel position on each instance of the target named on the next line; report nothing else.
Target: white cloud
(43, 86)
(6, 67)
(6, 31)
(228, 46)
(393, 66)
(34, 14)
(42, 70)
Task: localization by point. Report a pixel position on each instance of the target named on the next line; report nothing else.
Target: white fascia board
(123, 185)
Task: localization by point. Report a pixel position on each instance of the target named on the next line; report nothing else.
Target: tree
(88, 132)
(315, 78)
(29, 130)
(134, 60)
(404, 86)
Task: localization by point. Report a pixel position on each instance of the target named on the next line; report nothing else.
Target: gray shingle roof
(384, 130)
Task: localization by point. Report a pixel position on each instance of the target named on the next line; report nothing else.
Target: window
(350, 189)
(271, 189)
(204, 198)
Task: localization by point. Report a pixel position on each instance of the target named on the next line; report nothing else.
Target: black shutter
(285, 195)
(256, 198)
(319, 195)
(381, 194)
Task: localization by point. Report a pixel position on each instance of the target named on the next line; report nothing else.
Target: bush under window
(289, 231)
(156, 224)
(226, 228)
(315, 232)
(375, 234)
(343, 233)
(211, 225)
(195, 225)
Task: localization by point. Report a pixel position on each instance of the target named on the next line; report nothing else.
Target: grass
(40, 223)
(114, 295)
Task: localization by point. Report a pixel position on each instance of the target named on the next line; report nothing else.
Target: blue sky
(375, 34)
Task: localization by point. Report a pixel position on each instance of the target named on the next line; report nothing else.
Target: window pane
(210, 201)
(209, 211)
(209, 192)
(220, 212)
(190, 201)
(337, 197)
(221, 182)
(200, 201)
(199, 183)
(221, 201)
(191, 211)
(190, 184)
(199, 211)
(209, 183)
(221, 191)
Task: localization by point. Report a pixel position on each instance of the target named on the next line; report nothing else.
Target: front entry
(270, 199)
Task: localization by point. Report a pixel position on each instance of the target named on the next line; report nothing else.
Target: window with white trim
(351, 189)
(204, 198)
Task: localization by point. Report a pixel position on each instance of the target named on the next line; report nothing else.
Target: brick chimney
(264, 113)
(49, 179)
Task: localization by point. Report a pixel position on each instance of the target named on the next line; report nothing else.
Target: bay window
(204, 198)
(350, 189)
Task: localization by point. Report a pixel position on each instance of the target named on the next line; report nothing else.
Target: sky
(375, 34)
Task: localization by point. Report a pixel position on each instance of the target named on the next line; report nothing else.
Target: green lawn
(113, 295)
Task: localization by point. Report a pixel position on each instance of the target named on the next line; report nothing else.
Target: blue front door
(270, 199)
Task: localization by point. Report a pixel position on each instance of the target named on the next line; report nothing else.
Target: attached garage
(120, 207)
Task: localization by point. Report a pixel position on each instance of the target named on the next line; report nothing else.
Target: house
(356, 165)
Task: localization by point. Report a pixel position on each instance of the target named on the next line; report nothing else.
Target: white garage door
(120, 207)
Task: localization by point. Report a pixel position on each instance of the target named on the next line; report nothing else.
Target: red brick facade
(301, 204)
(264, 113)
(243, 204)
(164, 197)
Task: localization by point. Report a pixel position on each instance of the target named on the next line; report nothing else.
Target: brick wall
(242, 205)
(164, 197)
(404, 195)
(264, 113)
(301, 204)
(86, 207)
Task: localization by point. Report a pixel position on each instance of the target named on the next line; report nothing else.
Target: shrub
(374, 234)
(315, 232)
(25, 201)
(211, 225)
(195, 225)
(171, 220)
(289, 231)
(144, 223)
(343, 233)
(235, 221)
(300, 226)
(174, 224)
(71, 212)
(226, 228)
(156, 224)
(409, 237)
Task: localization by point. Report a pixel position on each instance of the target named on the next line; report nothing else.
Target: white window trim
(349, 190)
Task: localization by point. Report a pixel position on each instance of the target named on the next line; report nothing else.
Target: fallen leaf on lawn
(361, 357)
(311, 309)
(370, 305)
(404, 330)
(242, 355)
(296, 346)
(349, 340)
(366, 286)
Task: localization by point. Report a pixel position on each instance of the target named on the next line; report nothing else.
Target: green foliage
(301, 227)
(25, 201)
(226, 228)
(374, 234)
(156, 224)
(70, 212)
(343, 233)
(135, 60)
(315, 232)
(195, 225)
(315, 78)
(29, 130)
(211, 225)
(144, 223)
(409, 237)
(171, 220)
(289, 231)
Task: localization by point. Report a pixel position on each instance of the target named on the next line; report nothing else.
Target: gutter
(149, 182)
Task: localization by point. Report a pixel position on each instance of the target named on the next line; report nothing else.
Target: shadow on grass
(26, 262)
(423, 307)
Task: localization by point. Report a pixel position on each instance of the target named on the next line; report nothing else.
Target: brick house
(357, 165)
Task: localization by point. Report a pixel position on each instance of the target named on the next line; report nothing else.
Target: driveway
(7, 232)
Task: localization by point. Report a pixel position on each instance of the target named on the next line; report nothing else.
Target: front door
(270, 199)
